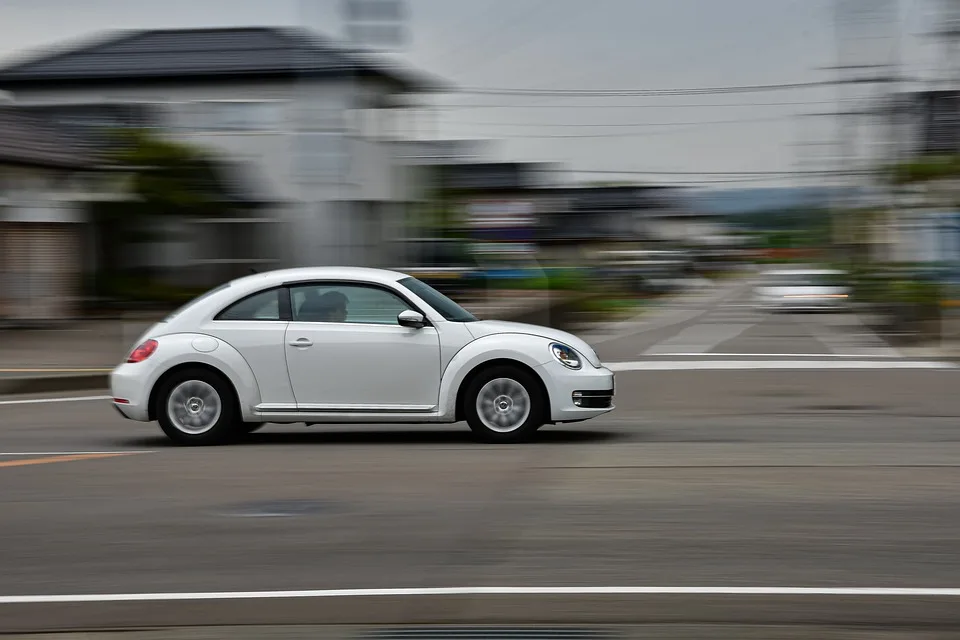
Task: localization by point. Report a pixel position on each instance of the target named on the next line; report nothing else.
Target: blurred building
(46, 179)
(304, 129)
(920, 223)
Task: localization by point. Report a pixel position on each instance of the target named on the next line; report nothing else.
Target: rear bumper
(130, 389)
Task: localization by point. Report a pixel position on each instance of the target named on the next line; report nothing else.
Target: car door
(361, 360)
(256, 327)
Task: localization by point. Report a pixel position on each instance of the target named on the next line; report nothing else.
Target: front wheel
(504, 405)
(195, 407)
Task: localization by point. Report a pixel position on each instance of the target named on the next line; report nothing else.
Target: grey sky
(598, 44)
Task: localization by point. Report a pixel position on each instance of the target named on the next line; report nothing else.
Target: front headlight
(565, 355)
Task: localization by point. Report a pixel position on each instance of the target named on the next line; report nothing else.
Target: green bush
(922, 293)
(139, 289)
(560, 280)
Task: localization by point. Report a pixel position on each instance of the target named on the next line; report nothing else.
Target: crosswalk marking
(699, 338)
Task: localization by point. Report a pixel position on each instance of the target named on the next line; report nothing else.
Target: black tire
(510, 433)
(198, 383)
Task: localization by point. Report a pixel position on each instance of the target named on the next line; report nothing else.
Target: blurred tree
(167, 180)
(924, 169)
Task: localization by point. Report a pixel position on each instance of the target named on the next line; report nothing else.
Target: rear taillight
(142, 352)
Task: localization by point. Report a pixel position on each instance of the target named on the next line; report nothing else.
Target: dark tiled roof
(204, 53)
(29, 140)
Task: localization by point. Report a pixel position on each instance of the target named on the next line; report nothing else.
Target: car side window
(346, 303)
(258, 307)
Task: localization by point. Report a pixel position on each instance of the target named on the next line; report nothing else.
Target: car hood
(483, 328)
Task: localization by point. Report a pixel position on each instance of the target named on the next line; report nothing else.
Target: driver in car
(330, 307)
(333, 307)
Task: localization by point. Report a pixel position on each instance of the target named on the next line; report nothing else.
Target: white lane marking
(712, 354)
(700, 337)
(746, 365)
(456, 591)
(68, 453)
(46, 400)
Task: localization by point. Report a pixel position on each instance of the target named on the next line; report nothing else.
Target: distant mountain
(734, 201)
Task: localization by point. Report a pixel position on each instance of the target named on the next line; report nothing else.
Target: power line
(637, 106)
(617, 125)
(605, 93)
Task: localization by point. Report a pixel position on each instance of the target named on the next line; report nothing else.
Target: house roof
(182, 54)
(32, 141)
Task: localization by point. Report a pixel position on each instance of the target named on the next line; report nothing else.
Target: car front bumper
(578, 394)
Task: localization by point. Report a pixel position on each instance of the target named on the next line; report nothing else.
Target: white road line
(711, 354)
(47, 400)
(68, 453)
(458, 591)
(747, 365)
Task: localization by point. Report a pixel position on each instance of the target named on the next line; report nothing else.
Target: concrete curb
(54, 384)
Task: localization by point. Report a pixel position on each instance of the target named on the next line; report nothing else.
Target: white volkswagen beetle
(352, 345)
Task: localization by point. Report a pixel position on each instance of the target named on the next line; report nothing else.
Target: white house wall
(313, 228)
(39, 195)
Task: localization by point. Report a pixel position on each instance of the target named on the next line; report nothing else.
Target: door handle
(301, 342)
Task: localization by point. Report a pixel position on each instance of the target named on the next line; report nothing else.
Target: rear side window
(261, 306)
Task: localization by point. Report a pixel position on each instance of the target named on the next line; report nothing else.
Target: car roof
(280, 276)
(231, 291)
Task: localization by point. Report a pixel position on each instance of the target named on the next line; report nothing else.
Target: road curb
(54, 384)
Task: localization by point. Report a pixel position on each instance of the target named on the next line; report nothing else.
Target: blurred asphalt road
(742, 478)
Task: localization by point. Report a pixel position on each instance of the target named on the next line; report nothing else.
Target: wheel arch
(185, 366)
(497, 362)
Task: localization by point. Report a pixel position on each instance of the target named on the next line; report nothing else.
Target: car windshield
(443, 305)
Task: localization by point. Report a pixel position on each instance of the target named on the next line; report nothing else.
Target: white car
(802, 290)
(352, 345)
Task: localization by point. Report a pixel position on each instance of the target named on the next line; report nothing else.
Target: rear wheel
(504, 404)
(196, 407)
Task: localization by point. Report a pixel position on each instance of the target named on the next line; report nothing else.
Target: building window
(232, 116)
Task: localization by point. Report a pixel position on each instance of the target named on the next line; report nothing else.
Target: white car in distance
(802, 290)
(352, 345)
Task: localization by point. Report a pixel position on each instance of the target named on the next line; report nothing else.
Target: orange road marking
(53, 459)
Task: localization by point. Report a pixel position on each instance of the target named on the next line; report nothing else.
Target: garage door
(41, 271)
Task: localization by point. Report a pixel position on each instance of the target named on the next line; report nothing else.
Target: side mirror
(411, 319)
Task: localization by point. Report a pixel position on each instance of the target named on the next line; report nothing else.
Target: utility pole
(863, 30)
(380, 26)
(942, 135)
